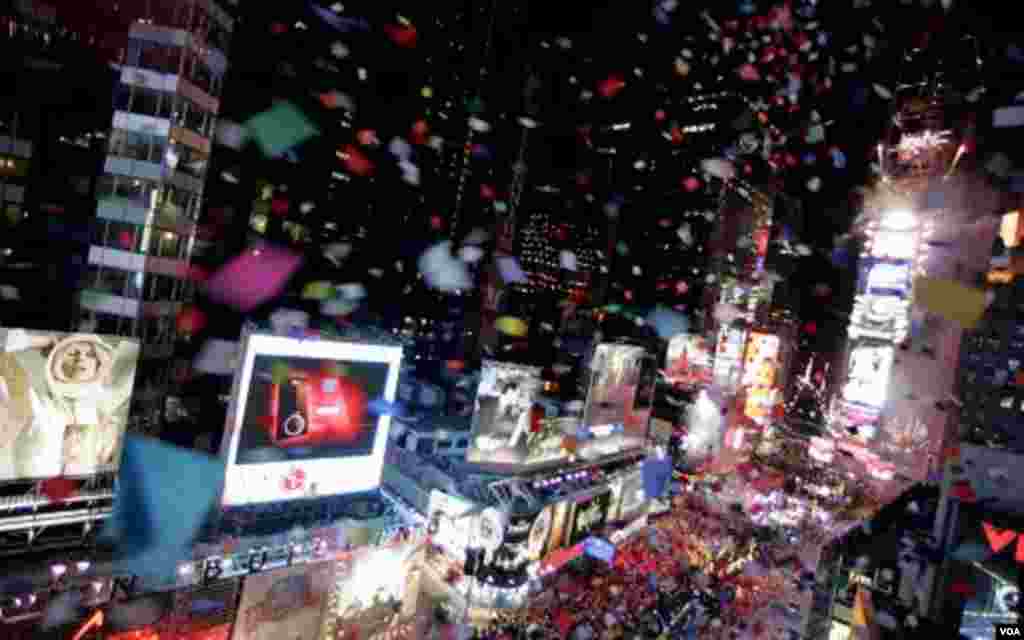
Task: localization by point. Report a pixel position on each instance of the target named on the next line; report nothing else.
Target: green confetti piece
(475, 106)
(280, 128)
(318, 290)
(622, 248)
(280, 372)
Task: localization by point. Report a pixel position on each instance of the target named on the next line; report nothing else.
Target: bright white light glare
(82, 566)
(894, 246)
(899, 220)
(57, 570)
(381, 576)
(868, 379)
(185, 570)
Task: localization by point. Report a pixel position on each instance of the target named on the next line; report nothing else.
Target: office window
(191, 161)
(165, 244)
(159, 287)
(161, 58)
(117, 282)
(150, 102)
(133, 145)
(136, 189)
(123, 236)
(195, 118)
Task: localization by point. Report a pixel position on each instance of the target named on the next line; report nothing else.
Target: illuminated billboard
(761, 362)
(288, 603)
(688, 361)
(615, 376)
(867, 378)
(63, 402)
(504, 417)
(888, 279)
(729, 357)
(881, 317)
(304, 420)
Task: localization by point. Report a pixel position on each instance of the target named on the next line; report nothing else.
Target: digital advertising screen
(375, 593)
(615, 376)
(688, 360)
(628, 498)
(306, 418)
(729, 356)
(589, 516)
(888, 279)
(64, 402)
(288, 603)
(882, 317)
(867, 378)
(503, 414)
(761, 362)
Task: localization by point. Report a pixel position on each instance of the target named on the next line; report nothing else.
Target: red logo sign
(294, 481)
(999, 539)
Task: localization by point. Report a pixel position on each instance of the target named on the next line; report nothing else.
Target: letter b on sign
(1012, 630)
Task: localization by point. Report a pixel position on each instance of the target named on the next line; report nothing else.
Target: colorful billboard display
(615, 375)
(888, 279)
(688, 361)
(729, 357)
(629, 498)
(867, 378)
(761, 362)
(880, 317)
(589, 515)
(288, 603)
(502, 430)
(63, 402)
(306, 418)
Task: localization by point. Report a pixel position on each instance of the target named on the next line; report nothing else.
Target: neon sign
(999, 539)
(95, 622)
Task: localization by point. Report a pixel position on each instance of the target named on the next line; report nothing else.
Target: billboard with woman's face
(63, 402)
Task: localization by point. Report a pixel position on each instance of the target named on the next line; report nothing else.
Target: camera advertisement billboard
(308, 419)
(64, 402)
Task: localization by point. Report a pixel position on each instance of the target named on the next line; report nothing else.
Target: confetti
(252, 278)
(442, 271)
(280, 128)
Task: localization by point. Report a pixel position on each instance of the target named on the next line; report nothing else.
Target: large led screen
(288, 603)
(867, 378)
(502, 416)
(589, 516)
(761, 362)
(616, 372)
(886, 279)
(63, 402)
(729, 357)
(688, 360)
(307, 418)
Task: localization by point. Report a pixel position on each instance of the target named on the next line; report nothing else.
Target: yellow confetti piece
(319, 290)
(511, 326)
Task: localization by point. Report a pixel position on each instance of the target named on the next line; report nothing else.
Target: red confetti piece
(279, 206)
(659, 115)
(691, 184)
(356, 162)
(611, 86)
(487, 192)
(420, 131)
(749, 73)
(366, 137)
(436, 223)
(58, 489)
(403, 36)
(278, 28)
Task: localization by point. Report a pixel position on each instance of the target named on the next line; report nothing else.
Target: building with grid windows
(149, 194)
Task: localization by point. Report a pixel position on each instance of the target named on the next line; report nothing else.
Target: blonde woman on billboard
(63, 403)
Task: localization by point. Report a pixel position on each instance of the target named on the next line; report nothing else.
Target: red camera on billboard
(315, 409)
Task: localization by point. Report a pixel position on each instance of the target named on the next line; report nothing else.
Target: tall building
(56, 97)
(150, 194)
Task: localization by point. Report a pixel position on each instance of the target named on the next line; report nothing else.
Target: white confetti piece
(442, 271)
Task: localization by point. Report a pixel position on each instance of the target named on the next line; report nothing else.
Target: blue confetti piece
(838, 159)
(344, 25)
(164, 495)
